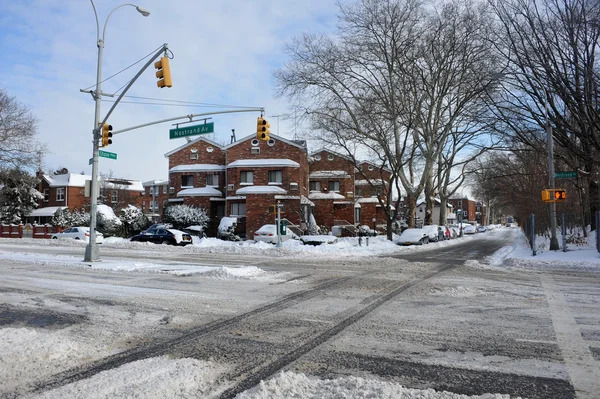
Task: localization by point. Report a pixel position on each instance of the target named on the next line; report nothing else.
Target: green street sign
(192, 130)
(565, 175)
(91, 161)
(106, 154)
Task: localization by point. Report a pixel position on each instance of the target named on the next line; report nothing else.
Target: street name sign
(192, 130)
(106, 154)
(565, 175)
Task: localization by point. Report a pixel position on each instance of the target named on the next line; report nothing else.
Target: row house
(155, 198)
(345, 193)
(466, 209)
(244, 180)
(69, 191)
(435, 219)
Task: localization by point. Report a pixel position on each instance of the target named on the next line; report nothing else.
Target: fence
(27, 231)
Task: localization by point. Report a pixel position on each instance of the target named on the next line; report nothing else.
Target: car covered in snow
(432, 231)
(413, 236)
(268, 233)
(78, 233)
(164, 236)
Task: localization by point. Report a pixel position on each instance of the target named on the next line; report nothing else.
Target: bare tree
(395, 84)
(551, 48)
(18, 147)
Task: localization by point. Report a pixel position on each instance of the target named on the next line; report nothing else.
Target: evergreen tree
(133, 220)
(18, 196)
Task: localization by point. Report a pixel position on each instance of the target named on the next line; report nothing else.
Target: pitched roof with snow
(67, 180)
(168, 154)
(269, 162)
(296, 143)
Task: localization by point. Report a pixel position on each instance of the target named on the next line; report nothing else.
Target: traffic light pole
(553, 240)
(91, 250)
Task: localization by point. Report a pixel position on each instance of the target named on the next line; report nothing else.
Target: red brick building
(69, 191)
(465, 209)
(242, 180)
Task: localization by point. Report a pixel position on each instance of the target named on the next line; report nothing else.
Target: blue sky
(224, 53)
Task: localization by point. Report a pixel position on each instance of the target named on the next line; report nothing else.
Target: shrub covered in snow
(132, 220)
(181, 216)
(226, 230)
(65, 218)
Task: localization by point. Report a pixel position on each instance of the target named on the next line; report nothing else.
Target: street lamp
(91, 250)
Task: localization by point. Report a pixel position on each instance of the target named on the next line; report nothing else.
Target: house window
(143, 205)
(247, 176)
(60, 194)
(187, 181)
(334, 186)
(46, 195)
(275, 176)
(314, 186)
(330, 157)
(165, 189)
(212, 180)
(152, 190)
(114, 196)
(238, 209)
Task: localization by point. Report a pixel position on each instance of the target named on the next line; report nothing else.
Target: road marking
(580, 364)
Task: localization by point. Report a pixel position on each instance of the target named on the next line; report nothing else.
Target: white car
(268, 233)
(432, 231)
(413, 236)
(78, 233)
(469, 229)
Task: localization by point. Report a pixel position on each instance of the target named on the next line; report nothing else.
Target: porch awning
(47, 211)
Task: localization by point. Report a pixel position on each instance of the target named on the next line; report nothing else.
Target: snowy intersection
(76, 314)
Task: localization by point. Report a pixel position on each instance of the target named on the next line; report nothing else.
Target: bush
(181, 216)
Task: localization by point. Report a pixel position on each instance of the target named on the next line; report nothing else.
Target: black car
(164, 236)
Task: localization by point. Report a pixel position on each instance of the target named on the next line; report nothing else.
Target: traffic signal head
(106, 135)
(554, 195)
(263, 129)
(164, 72)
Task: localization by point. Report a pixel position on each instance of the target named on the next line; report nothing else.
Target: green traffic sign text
(565, 175)
(191, 130)
(106, 154)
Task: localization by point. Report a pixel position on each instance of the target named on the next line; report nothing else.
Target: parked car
(268, 233)
(469, 229)
(481, 229)
(318, 239)
(413, 236)
(78, 233)
(432, 231)
(164, 236)
(155, 227)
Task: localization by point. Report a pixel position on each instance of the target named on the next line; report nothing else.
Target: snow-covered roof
(323, 174)
(375, 182)
(270, 162)
(337, 154)
(201, 138)
(200, 192)
(296, 143)
(197, 167)
(369, 200)
(67, 180)
(47, 211)
(319, 196)
(127, 185)
(261, 190)
(306, 201)
(155, 183)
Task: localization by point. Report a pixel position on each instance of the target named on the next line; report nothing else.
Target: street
(437, 319)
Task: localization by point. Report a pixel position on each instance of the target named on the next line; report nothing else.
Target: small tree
(18, 196)
(181, 216)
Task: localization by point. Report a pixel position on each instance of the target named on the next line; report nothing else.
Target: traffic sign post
(192, 130)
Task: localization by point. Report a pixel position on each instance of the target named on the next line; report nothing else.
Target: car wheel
(77, 238)
(164, 242)
(54, 237)
(425, 240)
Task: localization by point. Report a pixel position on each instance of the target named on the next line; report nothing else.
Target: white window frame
(237, 209)
(46, 194)
(278, 176)
(315, 186)
(247, 177)
(188, 178)
(60, 194)
(114, 196)
(335, 183)
(214, 180)
(165, 189)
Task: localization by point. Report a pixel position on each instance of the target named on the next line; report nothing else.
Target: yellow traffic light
(106, 135)
(164, 73)
(263, 129)
(554, 195)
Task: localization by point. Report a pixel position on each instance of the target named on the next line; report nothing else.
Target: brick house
(465, 209)
(370, 182)
(154, 199)
(242, 180)
(69, 191)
